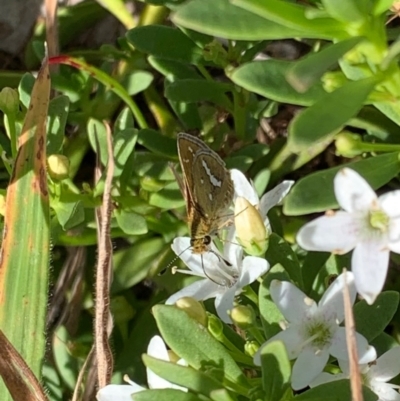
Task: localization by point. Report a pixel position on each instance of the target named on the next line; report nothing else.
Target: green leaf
(25, 247)
(268, 78)
(314, 193)
(187, 377)
(194, 343)
(381, 6)
(158, 143)
(96, 131)
(349, 11)
(137, 81)
(69, 214)
(25, 88)
(130, 222)
(56, 121)
(172, 69)
(306, 72)
(279, 251)
(338, 390)
(293, 16)
(169, 197)
(166, 394)
(276, 371)
(222, 395)
(198, 90)
(166, 42)
(383, 342)
(329, 114)
(313, 263)
(371, 320)
(270, 314)
(131, 265)
(222, 19)
(124, 143)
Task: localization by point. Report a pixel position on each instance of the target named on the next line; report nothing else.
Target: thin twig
(355, 376)
(103, 318)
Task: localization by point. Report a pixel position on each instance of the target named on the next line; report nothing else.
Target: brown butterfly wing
(188, 147)
(213, 189)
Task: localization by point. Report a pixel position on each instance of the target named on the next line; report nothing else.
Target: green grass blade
(24, 255)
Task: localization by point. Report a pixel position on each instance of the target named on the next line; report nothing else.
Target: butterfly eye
(207, 240)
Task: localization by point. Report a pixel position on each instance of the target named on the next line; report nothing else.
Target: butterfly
(207, 187)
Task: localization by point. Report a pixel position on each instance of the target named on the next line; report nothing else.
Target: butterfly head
(200, 244)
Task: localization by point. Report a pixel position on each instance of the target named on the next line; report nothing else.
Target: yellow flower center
(379, 220)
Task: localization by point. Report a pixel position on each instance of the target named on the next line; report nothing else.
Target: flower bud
(250, 229)
(193, 308)
(58, 167)
(243, 316)
(9, 101)
(333, 80)
(251, 348)
(347, 144)
(215, 327)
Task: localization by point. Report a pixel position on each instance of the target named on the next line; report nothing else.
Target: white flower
(367, 224)
(313, 332)
(374, 376)
(123, 392)
(244, 189)
(224, 275)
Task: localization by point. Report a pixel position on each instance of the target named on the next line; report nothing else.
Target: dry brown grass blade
(51, 30)
(19, 379)
(355, 376)
(103, 318)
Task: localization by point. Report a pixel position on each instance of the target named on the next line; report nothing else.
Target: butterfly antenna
(162, 272)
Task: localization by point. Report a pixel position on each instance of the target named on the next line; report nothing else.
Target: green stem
(377, 147)
(153, 14)
(239, 112)
(106, 80)
(205, 73)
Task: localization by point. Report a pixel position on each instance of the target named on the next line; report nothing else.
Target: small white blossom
(224, 276)
(313, 332)
(123, 392)
(375, 375)
(367, 224)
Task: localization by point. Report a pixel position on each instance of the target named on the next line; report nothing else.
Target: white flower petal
(387, 366)
(332, 303)
(338, 347)
(253, 267)
(352, 192)
(369, 264)
(390, 202)
(224, 303)
(385, 392)
(232, 252)
(336, 232)
(308, 366)
(290, 337)
(327, 378)
(197, 263)
(394, 235)
(291, 301)
(120, 392)
(200, 290)
(274, 196)
(243, 187)
(157, 348)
